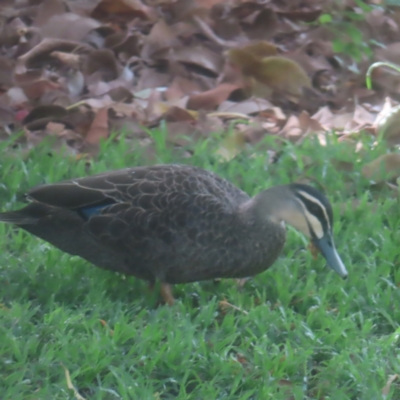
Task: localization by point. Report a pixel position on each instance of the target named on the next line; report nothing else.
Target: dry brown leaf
(99, 128)
(128, 9)
(103, 63)
(125, 110)
(160, 38)
(105, 325)
(48, 9)
(181, 87)
(69, 59)
(391, 53)
(184, 10)
(41, 54)
(362, 117)
(253, 105)
(211, 99)
(313, 250)
(198, 56)
(387, 123)
(386, 388)
(55, 128)
(285, 382)
(124, 45)
(176, 114)
(225, 305)
(261, 25)
(383, 168)
(241, 359)
(68, 26)
(7, 115)
(45, 111)
(38, 88)
(6, 73)
(292, 129)
(151, 79)
(297, 128)
(70, 384)
(337, 121)
(13, 33)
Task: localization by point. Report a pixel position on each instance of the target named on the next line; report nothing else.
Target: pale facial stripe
(321, 206)
(313, 222)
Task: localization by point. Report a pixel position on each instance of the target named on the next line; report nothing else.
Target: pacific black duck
(175, 223)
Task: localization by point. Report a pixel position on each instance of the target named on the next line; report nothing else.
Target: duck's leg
(240, 282)
(166, 293)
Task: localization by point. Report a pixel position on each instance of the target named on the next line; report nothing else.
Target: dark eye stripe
(315, 210)
(315, 203)
(315, 206)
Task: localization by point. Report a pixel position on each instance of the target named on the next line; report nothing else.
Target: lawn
(297, 331)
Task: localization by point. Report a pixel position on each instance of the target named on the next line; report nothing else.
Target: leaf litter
(248, 58)
(78, 70)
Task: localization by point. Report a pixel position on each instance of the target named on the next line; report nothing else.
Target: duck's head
(309, 211)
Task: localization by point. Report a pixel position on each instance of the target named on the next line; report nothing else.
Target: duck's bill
(327, 248)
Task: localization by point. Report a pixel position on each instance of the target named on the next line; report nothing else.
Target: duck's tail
(17, 218)
(28, 215)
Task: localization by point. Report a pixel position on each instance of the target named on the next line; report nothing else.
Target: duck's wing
(140, 187)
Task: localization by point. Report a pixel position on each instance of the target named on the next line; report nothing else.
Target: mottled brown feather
(173, 223)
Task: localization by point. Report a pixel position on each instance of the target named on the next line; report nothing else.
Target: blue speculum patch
(88, 212)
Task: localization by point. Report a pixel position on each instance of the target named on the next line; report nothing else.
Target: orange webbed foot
(166, 293)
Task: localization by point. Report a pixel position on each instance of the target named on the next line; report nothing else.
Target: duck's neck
(270, 204)
(276, 204)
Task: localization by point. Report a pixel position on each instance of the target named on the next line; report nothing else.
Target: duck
(175, 223)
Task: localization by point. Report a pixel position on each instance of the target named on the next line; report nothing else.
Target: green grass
(303, 333)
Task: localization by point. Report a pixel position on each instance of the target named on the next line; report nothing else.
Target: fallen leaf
(45, 111)
(198, 56)
(48, 9)
(38, 88)
(128, 9)
(211, 99)
(383, 168)
(261, 25)
(386, 388)
(224, 305)
(387, 123)
(55, 128)
(70, 385)
(285, 382)
(105, 325)
(99, 128)
(69, 26)
(241, 359)
(160, 38)
(253, 105)
(102, 62)
(41, 54)
(314, 250)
